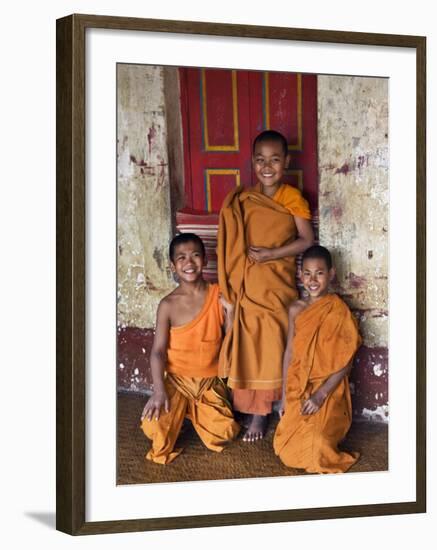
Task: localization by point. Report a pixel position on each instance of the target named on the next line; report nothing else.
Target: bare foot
(257, 428)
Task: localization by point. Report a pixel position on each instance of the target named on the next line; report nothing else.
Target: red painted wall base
(369, 378)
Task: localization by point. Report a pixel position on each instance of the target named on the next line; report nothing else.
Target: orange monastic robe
(252, 353)
(325, 341)
(192, 386)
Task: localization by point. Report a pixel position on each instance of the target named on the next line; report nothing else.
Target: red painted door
(223, 111)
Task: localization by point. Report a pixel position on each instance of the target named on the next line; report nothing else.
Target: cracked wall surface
(143, 195)
(353, 161)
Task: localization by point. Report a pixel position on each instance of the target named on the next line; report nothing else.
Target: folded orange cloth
(194, 348)
(291, 199)
(251, 356)
(201, 400)
(325, 341)
(255, 401)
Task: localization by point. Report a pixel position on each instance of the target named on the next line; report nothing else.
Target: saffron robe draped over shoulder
(251, 356)
(325, 341)
(194, 348)
(193, 388)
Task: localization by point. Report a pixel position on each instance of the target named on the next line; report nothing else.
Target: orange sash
(194, 348)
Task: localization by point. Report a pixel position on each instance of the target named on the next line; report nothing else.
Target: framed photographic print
(155, 125)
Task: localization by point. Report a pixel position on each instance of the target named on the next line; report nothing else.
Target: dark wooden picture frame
(71, 274)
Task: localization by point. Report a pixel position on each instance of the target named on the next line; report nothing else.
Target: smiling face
(315, 277)
(269, 162)
(188, 261)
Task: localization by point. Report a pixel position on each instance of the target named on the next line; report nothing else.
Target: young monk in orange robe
(322, 340)
(186, 348)
(261, 230)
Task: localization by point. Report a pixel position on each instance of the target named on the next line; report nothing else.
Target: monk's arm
(316, 400)
(228, 311)
(305, 238)
(288, 354)
(158, 359)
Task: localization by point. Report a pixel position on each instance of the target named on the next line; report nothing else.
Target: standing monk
(261, 230)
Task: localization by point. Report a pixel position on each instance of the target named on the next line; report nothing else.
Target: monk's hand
(281, 407)
(313, 404)
(156, 402)
(229, 308)
(260, 254)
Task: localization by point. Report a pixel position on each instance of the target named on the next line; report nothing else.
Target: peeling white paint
(378, 370)
(121, 366)
(136, 372)
(140, 279)
(380, 414)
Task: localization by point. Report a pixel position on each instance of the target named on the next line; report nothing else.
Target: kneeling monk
(316, 405)
(184, 359)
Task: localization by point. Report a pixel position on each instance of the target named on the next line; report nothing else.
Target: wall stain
(356, 281)
(151, 136)
(362, 160)
(141, 162)
(157, 255)
(328, 166)
(345, 169)
(337, 212)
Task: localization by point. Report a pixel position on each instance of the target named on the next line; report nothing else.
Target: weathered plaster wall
(172, 93)
(353, 210)
(144, 217)
(144, 213)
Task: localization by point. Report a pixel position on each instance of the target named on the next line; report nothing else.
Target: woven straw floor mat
(239, 460)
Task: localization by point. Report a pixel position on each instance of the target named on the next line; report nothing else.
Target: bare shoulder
(169, 301)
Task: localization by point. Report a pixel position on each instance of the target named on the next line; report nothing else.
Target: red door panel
(215, 107)
(223, 111)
